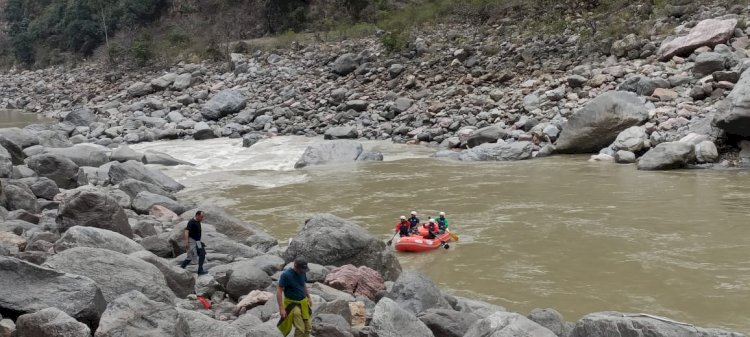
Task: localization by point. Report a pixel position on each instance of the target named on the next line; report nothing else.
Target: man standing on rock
(193, 245)
(294, 300)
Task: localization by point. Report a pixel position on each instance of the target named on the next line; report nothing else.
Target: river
(558, 232)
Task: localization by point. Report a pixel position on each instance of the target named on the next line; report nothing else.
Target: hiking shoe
(202, 272)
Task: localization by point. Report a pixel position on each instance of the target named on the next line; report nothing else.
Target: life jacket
(413, 221)
(432, 227)
(441, 221)
(402, 226)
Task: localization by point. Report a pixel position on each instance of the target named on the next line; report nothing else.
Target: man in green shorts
(294, 300)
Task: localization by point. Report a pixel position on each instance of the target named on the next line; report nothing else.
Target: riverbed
(558, 232)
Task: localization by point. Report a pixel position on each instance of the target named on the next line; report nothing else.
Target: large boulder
(224, 103)
(332, 151)
(329, 240)
(50, 322)
(133, 314)
(390, 320)
(61, 170)
(42, 187)
(345, 64)
(144, 200)
(356, 281)
(632, 139)
(83, 154)
(203, 326)
(17, 196)
(124, 153)
(131, 169)
(499, 151)
(6, 163)
(215, 242)
(179, 280)
(489, 134)
(734, 111)
(80, 117)
(447, 323)
(708, 63)
(597, 124)
(132, 187)
(225, 223)
(21, 137)
(341, 132)
(80, 236)
(49, 138)
(606, 324)
(93, 208)
(706, 152)
(550, 319)
(507, 324)
(416, 293)
(667, 156)
(114, 272)
(160, 158)
(244, 277)
(28, 288)
(706, 33)
(479, 308)
(13, 147)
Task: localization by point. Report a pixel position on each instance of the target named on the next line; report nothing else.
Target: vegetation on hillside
(44, 32)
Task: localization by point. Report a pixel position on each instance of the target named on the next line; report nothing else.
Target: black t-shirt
(194, 229)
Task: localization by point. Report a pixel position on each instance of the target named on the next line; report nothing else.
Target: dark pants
(201, 259)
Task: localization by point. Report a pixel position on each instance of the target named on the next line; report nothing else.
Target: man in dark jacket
(193, 245)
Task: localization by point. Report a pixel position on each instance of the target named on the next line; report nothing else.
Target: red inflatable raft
(417, 243)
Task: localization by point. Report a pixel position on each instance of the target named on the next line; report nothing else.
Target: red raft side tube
(417, 243)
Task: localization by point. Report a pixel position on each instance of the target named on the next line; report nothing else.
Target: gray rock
(708, 63)
(402, 104)
(272, 263)
(13, 148)
(249, 139)
(83, 154)
(80, 117)
(245, 277)
(204, 134)
(341, 132)
(204, 326)
(734, 111)
(267, 329)
(489, 134)
(646, 86)
(159, 158)
(133, 314)
(328, 240)
(345, 64)
(6, 163)
(447, 323)
(706, 152)
(115, 273)
(28, 288)
(132, 187)
(667, 156)
(357, 105)
(124, 153)
(337, 307)
(18, 196)
(531, 102)
(706, 33)
(479, 308)
(164, 81)
(42, 187)
(390, 320)
(598, 123)
(506, 324)
(22, 138)
(576, 81)
(144, 200)
(179, 280)
(330, 152)
(370, 156)
(624, 157)
(139, 89)
(216, 242)
(7, 328)
(182, 81)
(145, 228)
(246, 322)
(328, 325)
(632, 139)
(50, 322)
(499, 152)
(225, 223)
(550, 319)
(79, 236)
(224, 103)
(416, 293)
(61, 170)
(330, 294)
(119, 172)
(92, 208)
(159, 245)
(605, 324)
(395, 69)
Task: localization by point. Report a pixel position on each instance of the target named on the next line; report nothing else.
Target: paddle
(391, 240)
(454, 237)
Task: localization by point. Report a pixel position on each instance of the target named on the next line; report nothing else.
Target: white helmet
(432, 220)
(413, 212)
(442, 213)
(403, 217)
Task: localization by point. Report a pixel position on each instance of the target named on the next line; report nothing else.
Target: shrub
(142, 51)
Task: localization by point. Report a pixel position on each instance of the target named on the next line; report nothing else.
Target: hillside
(39, 33)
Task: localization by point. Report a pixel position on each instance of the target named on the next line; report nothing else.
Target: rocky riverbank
(103, 259)
(530, 96)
